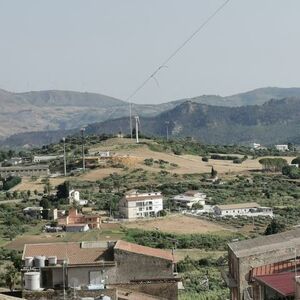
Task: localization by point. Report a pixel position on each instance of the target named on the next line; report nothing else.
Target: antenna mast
(137, 121)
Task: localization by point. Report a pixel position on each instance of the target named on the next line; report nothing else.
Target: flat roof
(263, 244)
(239, 205)
(69, 251)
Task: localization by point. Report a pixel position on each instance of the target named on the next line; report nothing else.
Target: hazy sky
(111, 46)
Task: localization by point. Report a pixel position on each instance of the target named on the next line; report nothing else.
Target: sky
(112, 46)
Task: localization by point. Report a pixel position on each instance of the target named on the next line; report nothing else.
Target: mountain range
(41, 117)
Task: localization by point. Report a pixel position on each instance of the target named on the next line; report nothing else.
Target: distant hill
(276, 121)
(63, 110)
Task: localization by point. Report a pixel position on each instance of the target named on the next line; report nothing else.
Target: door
(96, 277)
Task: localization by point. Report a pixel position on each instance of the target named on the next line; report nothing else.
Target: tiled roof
(288, 240)
(138, 249)
(239, 205)
(282, 283)
(72, 252)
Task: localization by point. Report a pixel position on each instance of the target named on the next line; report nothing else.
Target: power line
(178, 49)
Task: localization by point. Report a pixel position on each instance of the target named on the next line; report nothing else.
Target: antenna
(82, 141)
(167, 124)
(65, 159)
(137, 123)
(130, 119)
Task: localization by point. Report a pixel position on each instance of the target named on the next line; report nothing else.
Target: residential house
(189, 198)
(101, 265)
(249, 209)
(282, 147)
(264, 268)
(93, 221)
(140, 205)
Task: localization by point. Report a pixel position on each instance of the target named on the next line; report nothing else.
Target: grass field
(178, 224)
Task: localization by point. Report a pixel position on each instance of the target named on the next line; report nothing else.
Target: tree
(44, 203)
(274, 227)
(11, 276)
(213, 173)
(63, 190)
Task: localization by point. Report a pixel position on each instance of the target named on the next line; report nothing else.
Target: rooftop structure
(251, 261)
(282, 147)
(98, 265)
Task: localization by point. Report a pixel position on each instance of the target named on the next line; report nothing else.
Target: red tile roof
(72, 252)
(138, 249)
(282, 283)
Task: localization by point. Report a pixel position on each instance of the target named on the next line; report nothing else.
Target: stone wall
(131, 266)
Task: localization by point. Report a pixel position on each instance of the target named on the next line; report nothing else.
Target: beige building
(100, 265)
(140, 205)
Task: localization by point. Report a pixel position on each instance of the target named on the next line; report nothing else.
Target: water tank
(39, 261)
(28, 262)
(32, 281)
(52, 260)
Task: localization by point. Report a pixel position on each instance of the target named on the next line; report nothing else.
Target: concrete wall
(131, 266)
(82, 275)
(252, 261)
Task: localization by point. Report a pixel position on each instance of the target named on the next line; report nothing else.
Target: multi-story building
(264, 268)
(25, 171)
(140, 205)
(75, 220)
(189, 198)
(249, 209)
(99, 266)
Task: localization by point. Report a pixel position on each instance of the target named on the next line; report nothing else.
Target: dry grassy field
(133, 156)
(178, 224)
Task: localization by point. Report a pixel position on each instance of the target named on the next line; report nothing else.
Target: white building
(74, 197)
(256, 146)
(282, 147)
(140, 205)
(250, 209)
(46, 158)
(189, 198)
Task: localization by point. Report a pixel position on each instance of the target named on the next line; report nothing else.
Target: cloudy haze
(111, 46)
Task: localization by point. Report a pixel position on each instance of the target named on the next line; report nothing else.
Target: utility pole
(83, 156)
(65, 159)
(167, 124)
(130, 119)
(137, 121)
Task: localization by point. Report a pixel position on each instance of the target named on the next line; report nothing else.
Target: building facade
(263, 268)
(140, 205)
(98, 265)
(25, 171)
(250, 209)
(76, 218)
